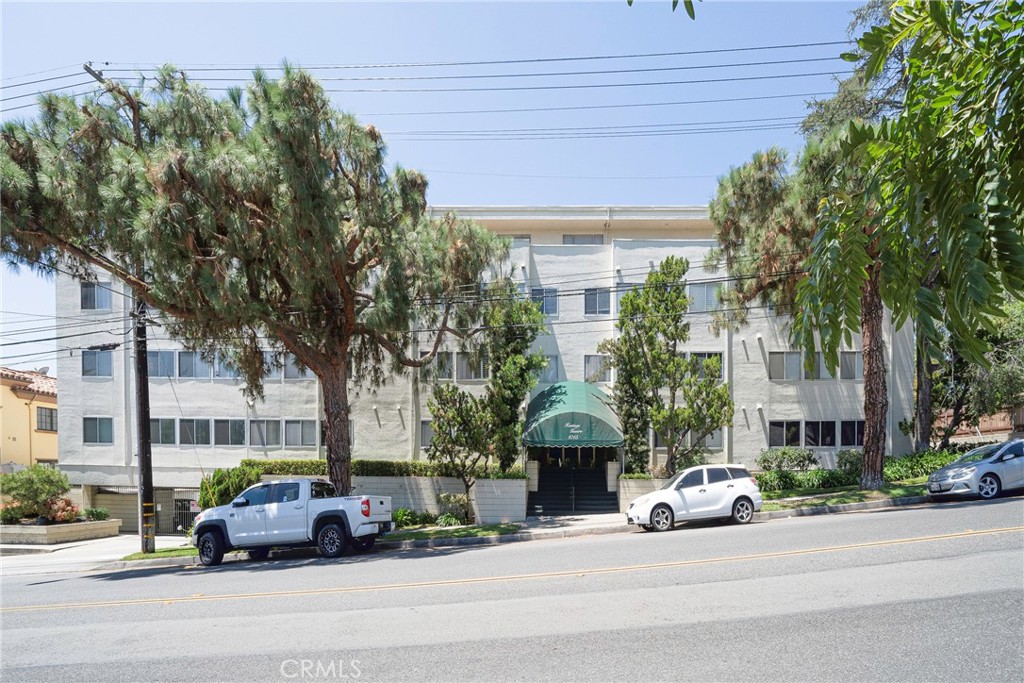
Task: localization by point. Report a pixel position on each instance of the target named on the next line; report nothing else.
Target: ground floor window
(852, 432)
(783, 434)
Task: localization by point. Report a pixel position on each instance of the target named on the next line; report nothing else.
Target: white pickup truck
(291, 513)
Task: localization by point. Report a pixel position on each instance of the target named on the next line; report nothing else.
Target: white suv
(703, 492)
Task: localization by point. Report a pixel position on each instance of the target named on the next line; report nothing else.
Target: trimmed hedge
(848, 473)
(916, 464)
(786, 458)
(635, 475)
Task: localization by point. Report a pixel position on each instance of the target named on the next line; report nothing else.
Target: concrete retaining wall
(414, 493)
(499, 500)
(631, 489)
(58, 533)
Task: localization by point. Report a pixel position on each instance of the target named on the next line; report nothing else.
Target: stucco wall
(21, 441)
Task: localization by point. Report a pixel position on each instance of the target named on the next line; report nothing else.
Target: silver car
(982, 472)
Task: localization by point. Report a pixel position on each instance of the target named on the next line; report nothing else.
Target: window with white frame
(264, 432)
(713, 441)
(784, 433)
(161, 431)
(582, 239)
(194, 432)
(472, 366)
(292, 371)
(160, 363)
(192, 366)
(546, 298)
(97, 363)
(705, 296)
(597, 301)
(426, 433)
(549, 375)
(818, 368)
(271, 366)
(224, 368)
(46, 419)
(300, 432)
(703, 358)
(98, 430)
(229, 432)
(851, 433)
(819, 434)
(851, 365)
(784, 365)
(96, 296)
(441, 367)
(596, 369)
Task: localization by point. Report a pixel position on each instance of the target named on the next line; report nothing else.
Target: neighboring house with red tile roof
(28, 418)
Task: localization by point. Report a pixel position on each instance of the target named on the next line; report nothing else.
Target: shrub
(403, 517)
(96, 514)
(786, 458)
(915, 465)
(635, 475)
(393, 468)
(825, 479)
(776, 480)
(447, 519)
(455, 505)
(32, 488)
(10, 514)
(298, 468)
(850, 461)
(223, 486)
(61, 510)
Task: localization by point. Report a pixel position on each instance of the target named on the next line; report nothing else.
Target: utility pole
(147, 504)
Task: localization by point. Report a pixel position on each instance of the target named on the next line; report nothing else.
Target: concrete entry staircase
(567, 491)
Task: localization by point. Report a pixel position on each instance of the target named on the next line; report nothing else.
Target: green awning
(572, 414)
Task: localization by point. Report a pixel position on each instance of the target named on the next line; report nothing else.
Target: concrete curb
(540, 535)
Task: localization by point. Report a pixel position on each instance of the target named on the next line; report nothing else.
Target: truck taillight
(365, 507)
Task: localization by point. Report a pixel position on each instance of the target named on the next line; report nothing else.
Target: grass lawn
(902, 489)
(796, 493)
(453, 532)
(163, 552)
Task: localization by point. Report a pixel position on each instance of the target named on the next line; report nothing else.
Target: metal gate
(186, 507)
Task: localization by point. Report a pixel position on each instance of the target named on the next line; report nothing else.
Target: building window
(229, 432)
(713, 441)
(223, 368)
(596, 369)
(472, 366)
(96, 296)
(519, 241)
(597, 301)
(351, 433)
(621, 290)
(194, 432)
(272, 365)
(46, 419)
(783, 434)
(161, 431)
(191, 365)
(546, 298)
(292, 371)
(98, 430)
(820, 434)
(579, 240)
(442, 366)
(784, 365)
(549, 375)
(702, 368)
(851, 365)
(300, 432)
(160, 363)
(852, 433)
(264, 432)
(426, 433)
(97, 364)
(818, 370)
(705, 297)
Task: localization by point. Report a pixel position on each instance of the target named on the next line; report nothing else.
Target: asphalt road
(933, 593)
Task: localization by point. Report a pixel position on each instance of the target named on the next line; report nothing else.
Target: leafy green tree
(460, 424)
(264, 215)
(34, 488)
(684, 394)
(934, 231)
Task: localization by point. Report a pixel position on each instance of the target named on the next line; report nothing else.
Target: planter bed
(67, 532)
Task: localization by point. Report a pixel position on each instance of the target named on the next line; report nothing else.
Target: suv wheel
(330, 541)
(258, 554)
(211, 549)
(363, 544)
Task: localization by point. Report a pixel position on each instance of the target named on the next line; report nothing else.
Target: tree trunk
(876, 400)
(923, 400)
(334, 384)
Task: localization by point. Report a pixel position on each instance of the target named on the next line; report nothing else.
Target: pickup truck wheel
(362, 544)
(331, 540)
(258, 554)
(211, 549)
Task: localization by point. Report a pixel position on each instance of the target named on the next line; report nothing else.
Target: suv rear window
(739, 472)
(717, 474)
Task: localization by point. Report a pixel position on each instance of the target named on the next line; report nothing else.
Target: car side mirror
(239, 503)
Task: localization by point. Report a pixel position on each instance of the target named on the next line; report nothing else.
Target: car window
(284, 493)
(739, 472)
(256, 496)
(1015, 450)
(979, 454)
(717, 474)
(695, 478)
(321, 489)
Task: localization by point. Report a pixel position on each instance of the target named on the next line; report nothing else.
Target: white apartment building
(576, 261)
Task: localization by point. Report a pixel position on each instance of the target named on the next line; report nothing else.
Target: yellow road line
(513, 577)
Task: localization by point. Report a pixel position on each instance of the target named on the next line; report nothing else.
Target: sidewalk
(106, 553)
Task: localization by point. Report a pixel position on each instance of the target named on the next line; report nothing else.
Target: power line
(75, 74)
(598, 136)
(43, 92)
(44, 71)
(569, 177)
(636, 127)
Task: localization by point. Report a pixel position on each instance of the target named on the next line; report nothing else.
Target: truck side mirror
(239, 503)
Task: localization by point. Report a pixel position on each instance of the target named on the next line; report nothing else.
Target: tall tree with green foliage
(264, 215)
(934, 230)
(684, 394)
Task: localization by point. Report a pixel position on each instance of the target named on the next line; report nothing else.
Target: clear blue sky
(56, 38)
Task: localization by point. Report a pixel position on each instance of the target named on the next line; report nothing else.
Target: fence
(176, 509)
